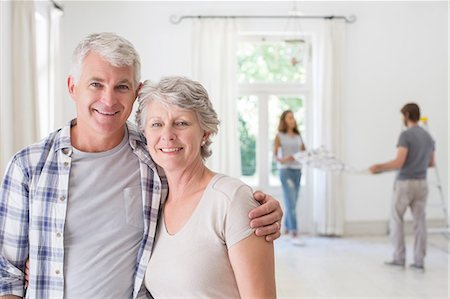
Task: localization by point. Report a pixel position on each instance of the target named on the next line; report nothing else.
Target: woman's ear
(205, 138)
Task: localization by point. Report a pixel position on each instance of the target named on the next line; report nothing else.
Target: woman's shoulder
(224, 182)
(229, 186)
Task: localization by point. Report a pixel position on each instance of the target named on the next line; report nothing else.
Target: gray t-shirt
(194, 263)
(104, 224)
(420, 147)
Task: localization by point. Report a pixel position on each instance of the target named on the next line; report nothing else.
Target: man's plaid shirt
(33, 207)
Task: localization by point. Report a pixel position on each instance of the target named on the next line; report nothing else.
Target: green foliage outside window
(248, 149)
(271, 62)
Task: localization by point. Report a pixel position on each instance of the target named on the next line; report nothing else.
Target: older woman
(204, 246)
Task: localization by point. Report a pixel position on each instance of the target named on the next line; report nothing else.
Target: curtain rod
(57, 6)
(177, 19)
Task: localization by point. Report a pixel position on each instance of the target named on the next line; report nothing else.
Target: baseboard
(373, 228)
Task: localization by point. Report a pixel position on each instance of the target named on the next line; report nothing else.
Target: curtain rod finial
(351, 18)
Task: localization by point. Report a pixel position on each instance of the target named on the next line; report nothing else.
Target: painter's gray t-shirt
(420, 147)
(104, 224)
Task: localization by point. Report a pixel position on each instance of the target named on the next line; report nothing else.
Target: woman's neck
(187, 182)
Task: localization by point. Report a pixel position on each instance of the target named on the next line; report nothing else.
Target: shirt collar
(135, 138)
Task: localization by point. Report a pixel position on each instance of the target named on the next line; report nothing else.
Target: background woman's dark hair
(411, 111)
(282, 126)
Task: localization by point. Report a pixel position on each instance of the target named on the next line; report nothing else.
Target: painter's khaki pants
(413, 194)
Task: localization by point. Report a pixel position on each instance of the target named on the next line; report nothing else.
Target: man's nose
(109, 97)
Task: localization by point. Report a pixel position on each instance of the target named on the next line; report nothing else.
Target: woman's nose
(168, 134)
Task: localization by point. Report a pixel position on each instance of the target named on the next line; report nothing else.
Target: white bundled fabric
(322, 159)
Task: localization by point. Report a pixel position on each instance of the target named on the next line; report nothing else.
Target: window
(43, 64)
(47, 18)
(274, 75)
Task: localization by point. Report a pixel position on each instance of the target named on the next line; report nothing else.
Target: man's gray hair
(185, 94)
(113, 48)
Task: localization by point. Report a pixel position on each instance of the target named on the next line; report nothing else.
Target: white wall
(397, 52)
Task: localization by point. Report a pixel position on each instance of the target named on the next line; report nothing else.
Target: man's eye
(123, 87)
(181, 123)
(96, 84)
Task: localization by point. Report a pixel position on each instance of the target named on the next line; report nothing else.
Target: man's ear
(138, 89)
(71, 86)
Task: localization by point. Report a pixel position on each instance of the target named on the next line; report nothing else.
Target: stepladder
(436, 198)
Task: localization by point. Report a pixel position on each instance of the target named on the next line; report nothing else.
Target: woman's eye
(156, 125)
(181, 123)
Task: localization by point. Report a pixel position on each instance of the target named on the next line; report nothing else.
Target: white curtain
(327, 125)
(20, 123)
(214, 66)
(6, 147)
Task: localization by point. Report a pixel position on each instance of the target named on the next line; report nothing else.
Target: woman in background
(288, 141)
(204, 245)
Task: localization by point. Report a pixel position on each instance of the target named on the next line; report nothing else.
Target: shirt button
(62, 198)
(66, 164)
(57, 272)
(58, 235)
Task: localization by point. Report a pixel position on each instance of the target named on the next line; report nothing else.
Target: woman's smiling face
(174, 136)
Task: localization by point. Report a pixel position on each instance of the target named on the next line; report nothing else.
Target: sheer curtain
(20, 113)
(214, 66)
(25, 94)
(327, 126)
(6, 147)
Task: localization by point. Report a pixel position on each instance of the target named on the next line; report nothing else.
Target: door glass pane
(272, 62)
(278, 104)
(248, 130)
(42, 64)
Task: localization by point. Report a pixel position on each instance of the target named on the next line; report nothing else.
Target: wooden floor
(353, 268)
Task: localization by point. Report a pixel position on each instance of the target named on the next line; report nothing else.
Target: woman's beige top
(194, 262)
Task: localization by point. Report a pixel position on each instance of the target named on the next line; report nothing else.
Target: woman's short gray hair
(185, 94)
(113, 48)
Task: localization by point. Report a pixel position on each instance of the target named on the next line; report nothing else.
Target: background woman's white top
(289, 145)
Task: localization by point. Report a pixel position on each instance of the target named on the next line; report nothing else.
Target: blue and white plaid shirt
(33, 208)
